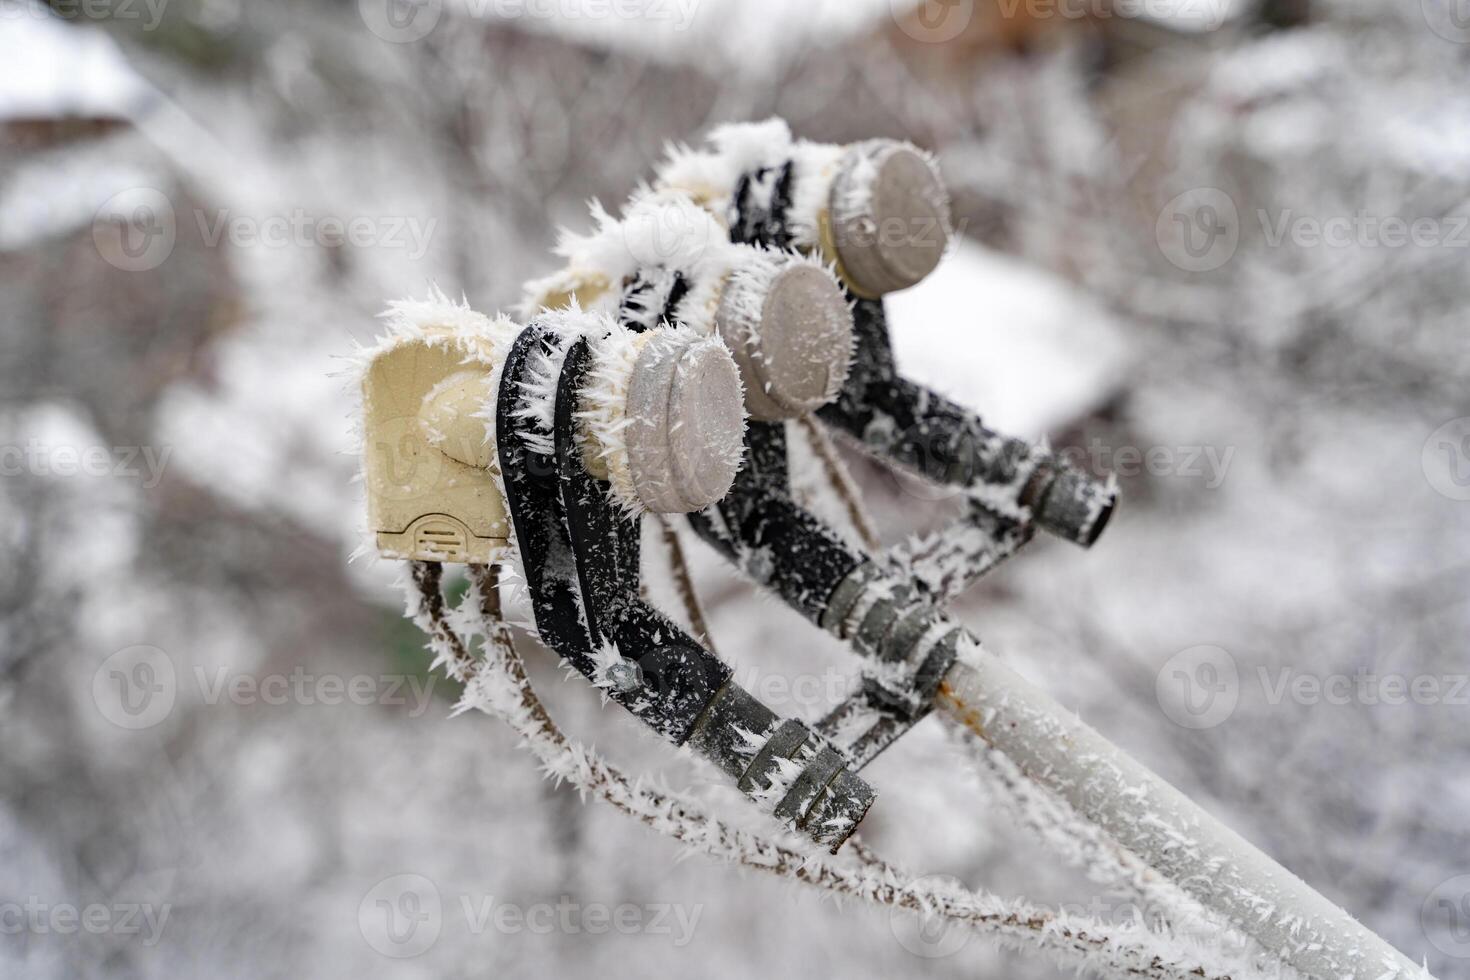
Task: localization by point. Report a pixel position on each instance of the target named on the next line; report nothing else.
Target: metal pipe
(1161, 825)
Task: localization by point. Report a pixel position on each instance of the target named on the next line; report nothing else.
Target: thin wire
(842, 484)
(1080, 943)
(684, 583)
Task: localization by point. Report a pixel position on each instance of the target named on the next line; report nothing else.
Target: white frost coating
(603, 412)
(497, 685)
(1003, 499)
(856, 196)
(852, 200)
(782, 777)
(1084, 845)
(658, 233)
(610, 670)
(814, 168)
(710, 175)
(644, 309)
(950, 559)
(750, 742)
(749, 283)
(537, 402)
(745, 293)
(1161, 825)
(437, 320)
(688, 344)
(853, 724)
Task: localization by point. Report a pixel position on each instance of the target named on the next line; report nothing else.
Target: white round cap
(890, 216)
(686, 431)
(788, 325)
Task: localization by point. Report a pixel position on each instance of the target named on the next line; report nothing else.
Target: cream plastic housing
(428, 450)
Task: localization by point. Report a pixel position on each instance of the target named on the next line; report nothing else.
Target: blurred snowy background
(1218, 247)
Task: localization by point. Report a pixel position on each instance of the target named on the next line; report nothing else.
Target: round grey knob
(789, 328)
(687, 422)
(890, 216)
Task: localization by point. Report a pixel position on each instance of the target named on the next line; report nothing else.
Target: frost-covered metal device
(791, 328)
(430, 491)
(665, 265)
(667, 260)
(878, 211)
(758, 526)
(573, 427)
(775, 193)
